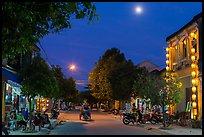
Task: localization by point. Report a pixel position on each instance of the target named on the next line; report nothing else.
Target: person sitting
(12, 121)
(21, 121)
(139, 115)
(134, 113)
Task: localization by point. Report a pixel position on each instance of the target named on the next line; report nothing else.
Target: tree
(67, 87)
(173, 89)
(25, 23)
(41, 82)
(111, 77)
(148, 85)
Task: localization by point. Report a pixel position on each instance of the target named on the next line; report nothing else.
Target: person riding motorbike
(84, 111)
(54, 113)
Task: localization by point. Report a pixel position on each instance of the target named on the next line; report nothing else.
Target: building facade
(184, 58)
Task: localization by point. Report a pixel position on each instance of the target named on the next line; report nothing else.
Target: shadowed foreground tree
(25, 23)
(37, 79)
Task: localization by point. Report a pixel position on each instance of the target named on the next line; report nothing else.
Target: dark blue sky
(139, 37)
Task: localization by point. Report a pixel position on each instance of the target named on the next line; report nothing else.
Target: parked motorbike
(158, 118)
(128, 118)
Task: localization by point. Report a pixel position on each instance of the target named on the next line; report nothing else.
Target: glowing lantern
(193, 65)
(167, 68)
(194, 97)
(196, 81)
(194, 104)
(192, 50)
(167, 49)
(184, 42)
(194, 111)
(167, 62)
(192, 34)
(193, 81)
(193, 89)
(167, 55)
(193, 58)
(193, 73)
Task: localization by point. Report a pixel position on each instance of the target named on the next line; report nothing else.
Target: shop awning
(10, 75)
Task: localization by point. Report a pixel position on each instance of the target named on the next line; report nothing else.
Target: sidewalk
(173, 129)
(43, 131)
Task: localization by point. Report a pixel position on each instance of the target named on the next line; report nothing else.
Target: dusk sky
(139, 36)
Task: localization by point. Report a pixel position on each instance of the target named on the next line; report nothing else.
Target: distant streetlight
(72, 67)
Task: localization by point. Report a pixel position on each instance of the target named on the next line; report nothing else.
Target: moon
(138, 10)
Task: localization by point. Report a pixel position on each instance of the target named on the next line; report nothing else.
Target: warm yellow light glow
(193, 65)
(167, 49)
(167, 55)
(193, 73)
(196, 81)
(193, 81)
(192, 50)
(193, 89)
(167, 61)
(167, 68)
(184, 42)
(179, 84)
(194, 104)
(72, 67)
(192, 34)
(193, 58)
(194, 97)
(194, 111)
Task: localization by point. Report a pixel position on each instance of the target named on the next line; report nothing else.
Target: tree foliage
(148, 85)
(173, 89)
(111, 77)
(25, 23)
(37, 79)
(67, 86)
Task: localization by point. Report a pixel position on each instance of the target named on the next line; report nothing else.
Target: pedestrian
(12, 121)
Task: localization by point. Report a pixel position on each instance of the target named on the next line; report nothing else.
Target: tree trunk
(30, 113)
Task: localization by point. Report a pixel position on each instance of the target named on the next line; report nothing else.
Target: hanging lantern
(193, 73)
(193, 65)
(193, 96)
(193, 81)
(193, 89)
(167, 49)
(196, 81)
(167, 55)
(167, 68)
(194, 111)
(194, 104)
(167, 61)
(184, 42)
(193, 58)
(192, 34)
(192, 50)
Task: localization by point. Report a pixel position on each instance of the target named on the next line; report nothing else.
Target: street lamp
(72, 67)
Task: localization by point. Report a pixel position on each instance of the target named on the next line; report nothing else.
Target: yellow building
(184, 57)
